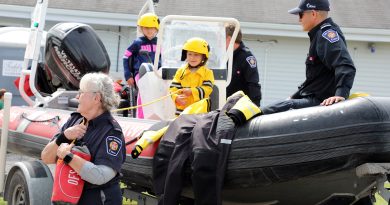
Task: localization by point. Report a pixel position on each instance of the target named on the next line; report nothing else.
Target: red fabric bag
(68, 185)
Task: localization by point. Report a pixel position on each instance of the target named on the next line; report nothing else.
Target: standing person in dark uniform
(103, 136)
(245, 75)
(330, 71)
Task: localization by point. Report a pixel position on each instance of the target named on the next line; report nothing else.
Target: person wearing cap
(330, 71)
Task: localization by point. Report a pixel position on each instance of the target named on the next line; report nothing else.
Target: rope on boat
(54, 119)
(148, 103)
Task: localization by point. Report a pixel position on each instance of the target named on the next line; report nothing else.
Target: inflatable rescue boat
(279, 157)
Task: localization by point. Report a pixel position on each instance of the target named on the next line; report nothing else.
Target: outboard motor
(72, 50)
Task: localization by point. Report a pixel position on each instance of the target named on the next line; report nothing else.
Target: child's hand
(130, 81)
(186, 91)
(181, 100)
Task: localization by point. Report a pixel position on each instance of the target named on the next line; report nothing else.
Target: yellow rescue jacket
(201, 83)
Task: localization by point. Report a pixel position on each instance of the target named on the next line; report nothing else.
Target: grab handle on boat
(4, 137)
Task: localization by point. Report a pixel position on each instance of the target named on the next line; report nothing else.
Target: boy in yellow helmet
(193, 80)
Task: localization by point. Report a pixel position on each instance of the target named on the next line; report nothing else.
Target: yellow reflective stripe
(245, 105)
(250, 109)
(138, 149)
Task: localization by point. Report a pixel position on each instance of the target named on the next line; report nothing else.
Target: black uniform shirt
(106, 144)
(107, 148)
(245, 75)
(329, 67)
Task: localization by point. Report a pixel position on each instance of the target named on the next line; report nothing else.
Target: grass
(125, 202)
(379, 200)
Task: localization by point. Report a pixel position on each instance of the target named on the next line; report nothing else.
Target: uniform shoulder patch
(113, 145)
(331, 35)
(252, 61)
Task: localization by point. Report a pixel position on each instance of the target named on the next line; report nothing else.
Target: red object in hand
(68, 185)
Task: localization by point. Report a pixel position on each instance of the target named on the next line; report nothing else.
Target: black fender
(34, 177)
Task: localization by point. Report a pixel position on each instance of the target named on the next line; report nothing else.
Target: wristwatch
(68, 158)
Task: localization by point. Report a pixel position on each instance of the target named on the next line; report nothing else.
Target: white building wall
(281, 65)
(116, 40)
(373, 68)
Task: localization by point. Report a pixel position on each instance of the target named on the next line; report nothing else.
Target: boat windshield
(177, 32)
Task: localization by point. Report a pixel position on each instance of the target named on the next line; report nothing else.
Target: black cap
(304, 5)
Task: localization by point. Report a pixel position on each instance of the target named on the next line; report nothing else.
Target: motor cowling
(72, 50)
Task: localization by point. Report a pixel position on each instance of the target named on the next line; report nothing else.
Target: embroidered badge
(331, 35)
(252, 61)
(113, 145)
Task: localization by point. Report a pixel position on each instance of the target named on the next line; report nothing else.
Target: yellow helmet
(243, 110)
(197, 45)
(149, 20)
